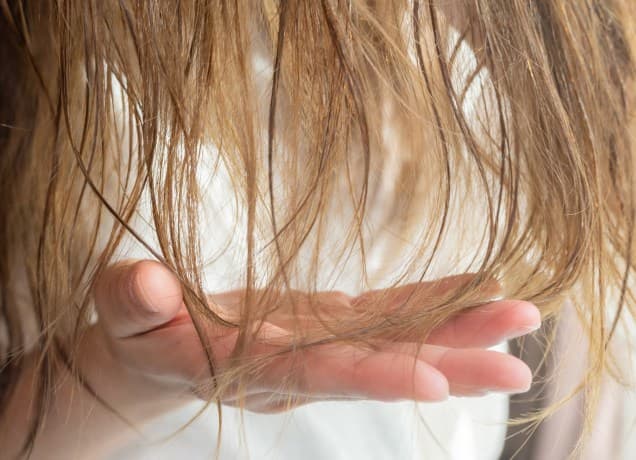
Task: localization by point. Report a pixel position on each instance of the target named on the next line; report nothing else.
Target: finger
(339, 304)
(273, 403)
(473, 371)
(286, 308)
(424, 294)
(298, 309)
(133, 298)
(337, 371)
(487, 325)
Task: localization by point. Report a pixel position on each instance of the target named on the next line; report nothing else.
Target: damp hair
(520, 110)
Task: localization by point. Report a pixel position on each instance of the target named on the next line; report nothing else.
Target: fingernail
(523, 331)
(476, 394)
(511, 391)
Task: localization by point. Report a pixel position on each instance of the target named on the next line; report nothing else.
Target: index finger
(425, 294)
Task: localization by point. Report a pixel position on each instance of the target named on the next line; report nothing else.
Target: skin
(144, 358)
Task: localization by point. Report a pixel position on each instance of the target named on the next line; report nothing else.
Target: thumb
(135, 297)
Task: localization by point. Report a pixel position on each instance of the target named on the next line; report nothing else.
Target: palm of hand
(147, 329)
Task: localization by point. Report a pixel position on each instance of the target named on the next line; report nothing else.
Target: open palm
(147, 329)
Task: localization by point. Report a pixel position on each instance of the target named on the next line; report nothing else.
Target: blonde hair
(108, 102)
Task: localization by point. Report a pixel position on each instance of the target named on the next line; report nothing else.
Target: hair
(505, 122)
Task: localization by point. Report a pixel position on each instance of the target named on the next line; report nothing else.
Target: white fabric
(457, 430)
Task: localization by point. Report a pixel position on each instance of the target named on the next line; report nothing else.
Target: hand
(153, 343)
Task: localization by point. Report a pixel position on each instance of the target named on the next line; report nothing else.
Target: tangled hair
(502, 123)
